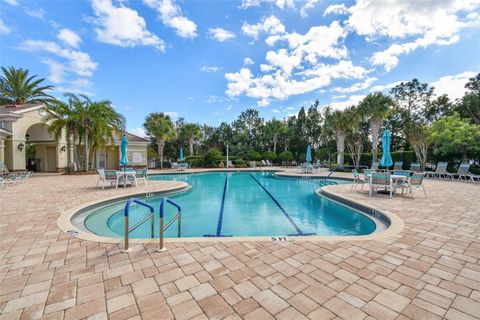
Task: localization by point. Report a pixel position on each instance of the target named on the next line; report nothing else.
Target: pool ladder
(162, 227)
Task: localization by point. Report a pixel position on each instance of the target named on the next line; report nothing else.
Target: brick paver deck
(430, 270)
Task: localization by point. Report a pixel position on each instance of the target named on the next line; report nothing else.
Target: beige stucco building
(25, 143)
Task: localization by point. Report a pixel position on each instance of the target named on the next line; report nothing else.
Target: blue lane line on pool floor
(220, 216)
(299, 232)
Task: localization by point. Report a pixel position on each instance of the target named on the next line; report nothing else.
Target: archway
(41, 150)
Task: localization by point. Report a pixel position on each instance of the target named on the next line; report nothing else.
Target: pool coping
(395, 226)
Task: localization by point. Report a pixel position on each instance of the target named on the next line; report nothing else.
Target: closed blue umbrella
(386, 160)
(181, 154)
(123, 150)
(308, 156)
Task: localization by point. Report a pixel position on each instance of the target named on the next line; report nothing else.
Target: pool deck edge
(395, 227)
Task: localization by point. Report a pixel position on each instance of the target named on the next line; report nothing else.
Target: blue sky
(207, 61)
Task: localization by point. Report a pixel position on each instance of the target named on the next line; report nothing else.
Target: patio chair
(464, 173)
(108, 177)
(382, 181)
(264, 164)
(415, 167)
(356, 180)
(398, 165)
(374, 166)
(440, 171)
(415, 181)
(142, 174)
(173, 165)
(230, 164)
(268, 163)
(183, 166)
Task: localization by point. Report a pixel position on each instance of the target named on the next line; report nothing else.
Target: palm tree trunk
(86, 151)
(375, 124)
(275, 144)
(190, 142)
(161, 145)
(340, 148)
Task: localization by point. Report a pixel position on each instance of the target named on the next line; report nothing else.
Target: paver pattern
(430, 270)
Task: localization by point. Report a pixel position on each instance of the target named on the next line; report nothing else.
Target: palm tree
(338, 123)
(191, 132)
(94, 123)
(273, 129)
(375, 107)
(17, 87)
(161, 127)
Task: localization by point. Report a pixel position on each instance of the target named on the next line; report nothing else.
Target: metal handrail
(177, 217)
(126, 213)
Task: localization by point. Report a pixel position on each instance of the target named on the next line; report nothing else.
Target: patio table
(124, 176)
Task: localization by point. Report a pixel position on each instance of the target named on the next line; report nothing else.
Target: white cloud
(336, 9)
(427, 22)
(296, 68)
(11, 2)
(140, 132)
(57, 70)
(171, 16)
(210, 69)
(220, 34)
(36, 13)
(122, 26)
(248, 61)
(357, 86)
(215, 99)
(263, 103)
(69, 37)
(78, 86)
(453, 85)
(383, 88)
(351, 101)
(78, 62)
(171, 114)
(309, 4)
(229, 107)
(282, 4)
(276, 110)
(4, 29)
(271, 25)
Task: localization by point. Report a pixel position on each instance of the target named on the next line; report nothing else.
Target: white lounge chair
(440, 171)
(464, 173)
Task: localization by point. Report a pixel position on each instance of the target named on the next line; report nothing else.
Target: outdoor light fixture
(20, 146)
(63, 148)
(27, 136)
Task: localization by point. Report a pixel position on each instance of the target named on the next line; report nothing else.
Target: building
(26, 144)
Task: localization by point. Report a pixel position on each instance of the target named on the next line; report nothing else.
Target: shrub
(285, 156)
(240, 163)
(253, 156)
(270, 155)
(213, 155)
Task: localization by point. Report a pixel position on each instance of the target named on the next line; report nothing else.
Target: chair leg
(424, 191)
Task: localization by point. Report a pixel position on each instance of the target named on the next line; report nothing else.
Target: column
(2, 150)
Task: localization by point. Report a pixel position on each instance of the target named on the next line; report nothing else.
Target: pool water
(223, 204)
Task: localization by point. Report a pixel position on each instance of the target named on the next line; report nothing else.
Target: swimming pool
(224, 204)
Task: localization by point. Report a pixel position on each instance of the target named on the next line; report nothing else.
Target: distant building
(25, 143)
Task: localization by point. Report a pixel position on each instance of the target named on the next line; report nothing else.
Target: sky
(207, 61)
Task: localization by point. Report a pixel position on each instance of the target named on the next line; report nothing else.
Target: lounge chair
(382, 181)
(464, 173)
(440, 171)
(374, 166)
(174, 165)
(5, 181)
(108, 177)
(415, 167)
(264, 164)
(398, 165)
(356, 180)
(230, 164)
(142, 174)
(268, 163)
(415, 181)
